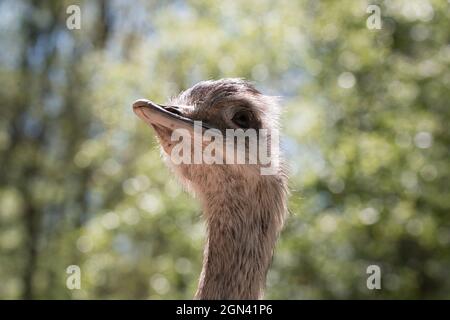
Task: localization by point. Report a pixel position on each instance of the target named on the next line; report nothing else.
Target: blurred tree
(366, 123)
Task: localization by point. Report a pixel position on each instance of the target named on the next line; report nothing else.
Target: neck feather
(242, 227)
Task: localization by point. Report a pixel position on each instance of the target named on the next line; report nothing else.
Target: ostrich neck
(242, 229)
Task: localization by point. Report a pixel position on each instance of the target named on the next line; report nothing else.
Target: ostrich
(244, 210)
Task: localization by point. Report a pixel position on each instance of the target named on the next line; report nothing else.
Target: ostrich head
(244, 209)
(219, 105)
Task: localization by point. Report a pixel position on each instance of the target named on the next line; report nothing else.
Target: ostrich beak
(165, 116)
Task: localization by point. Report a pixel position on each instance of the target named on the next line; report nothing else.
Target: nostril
(174, 110)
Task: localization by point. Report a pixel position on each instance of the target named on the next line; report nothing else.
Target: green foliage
(365, 131)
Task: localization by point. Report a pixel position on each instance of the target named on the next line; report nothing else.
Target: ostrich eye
(242, 119)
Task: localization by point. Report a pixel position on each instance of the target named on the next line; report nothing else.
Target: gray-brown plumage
(244, 210)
